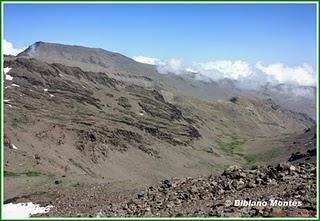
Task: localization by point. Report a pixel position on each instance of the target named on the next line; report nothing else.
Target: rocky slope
(274, 191)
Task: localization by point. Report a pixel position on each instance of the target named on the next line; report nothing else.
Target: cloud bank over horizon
(147, 60)
(248, 75)
(8, 48)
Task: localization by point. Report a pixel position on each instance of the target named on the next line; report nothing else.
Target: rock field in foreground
(200, 197)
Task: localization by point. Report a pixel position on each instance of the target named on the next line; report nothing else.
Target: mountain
(89, 59)
(77, 116)
(297, 98)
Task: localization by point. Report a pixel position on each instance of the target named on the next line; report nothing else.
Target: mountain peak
(89, 59)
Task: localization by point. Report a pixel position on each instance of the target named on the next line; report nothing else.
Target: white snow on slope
(9, 77)
(14, 147)
(23, 210)
(6, 71)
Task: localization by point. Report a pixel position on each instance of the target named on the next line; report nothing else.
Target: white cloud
(246, 74)
(8, 48)
(223, 69)
(147, 60)
(190, 69)
(301, 75)
(173, 65)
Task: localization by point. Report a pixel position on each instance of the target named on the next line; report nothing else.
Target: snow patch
(14, 147)
(141, 114)
(51, 95)
(15, 85)
(23, 210)
(6, 70)
(9, 105)
(45, 89)
(6, 100)
(9, 77)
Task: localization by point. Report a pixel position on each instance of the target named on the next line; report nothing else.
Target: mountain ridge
(67, 126)
(122, 67)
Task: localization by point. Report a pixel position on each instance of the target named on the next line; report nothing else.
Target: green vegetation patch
(262, 157)
(251, 159)
(233, 147)
(28, 173)
(15, 123)
(33, 173)
(9, 174)
(86, 170)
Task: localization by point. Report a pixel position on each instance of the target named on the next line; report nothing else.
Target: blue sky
(270, 33)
